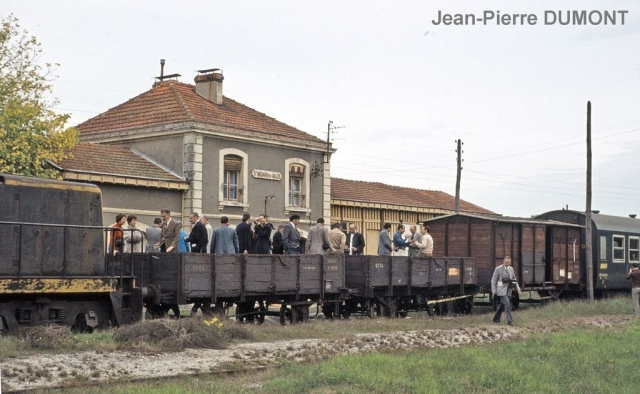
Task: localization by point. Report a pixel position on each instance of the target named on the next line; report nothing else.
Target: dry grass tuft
(173, 335)
(45, 337)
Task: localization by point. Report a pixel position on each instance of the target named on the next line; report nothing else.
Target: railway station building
(187, 147)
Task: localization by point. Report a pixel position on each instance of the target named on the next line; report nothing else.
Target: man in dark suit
(170, 233)
(199, 236)
(291, 237)
(355, 242)
(278, 242)
(245, 234)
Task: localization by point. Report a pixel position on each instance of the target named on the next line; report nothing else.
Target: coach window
(618, 248)
(603, 247)
(634, 249)
(233, 175)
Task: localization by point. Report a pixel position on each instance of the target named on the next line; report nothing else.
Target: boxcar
(543, 252)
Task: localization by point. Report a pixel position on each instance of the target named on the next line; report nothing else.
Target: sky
(399, 88)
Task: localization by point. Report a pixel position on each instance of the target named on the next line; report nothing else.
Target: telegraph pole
(459, 174)
(588, 237)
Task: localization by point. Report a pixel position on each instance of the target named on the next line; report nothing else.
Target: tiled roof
(375, 192)
(113, 160)
(171, 101)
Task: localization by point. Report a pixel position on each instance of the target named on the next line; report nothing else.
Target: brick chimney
(209, 84)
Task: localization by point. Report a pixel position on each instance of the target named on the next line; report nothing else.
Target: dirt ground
(42, 371)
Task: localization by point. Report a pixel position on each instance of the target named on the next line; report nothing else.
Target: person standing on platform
(355, 242)
(318, 238)
(384, 242)
(262, 232)
(278, 242)
(291, 236)
(224, 239)
(399, 243)
(197, 240)
(154, 234)
(414, 241)
(337, 239)
(170, 233)
(183, 245)
(205, 220)
(245, 234)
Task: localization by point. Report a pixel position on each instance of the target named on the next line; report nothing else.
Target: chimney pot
(209, 86)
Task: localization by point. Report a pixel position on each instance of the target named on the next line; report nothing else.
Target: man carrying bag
(503, 282)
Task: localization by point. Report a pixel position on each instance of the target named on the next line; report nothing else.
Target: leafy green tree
(30, 133)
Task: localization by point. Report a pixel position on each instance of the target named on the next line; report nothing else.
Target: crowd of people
(255, 237)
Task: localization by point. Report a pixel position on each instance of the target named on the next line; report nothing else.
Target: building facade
(225, 158)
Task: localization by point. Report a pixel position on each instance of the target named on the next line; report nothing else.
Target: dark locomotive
(54, 267)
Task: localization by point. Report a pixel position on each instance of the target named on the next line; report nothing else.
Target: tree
(30, 133)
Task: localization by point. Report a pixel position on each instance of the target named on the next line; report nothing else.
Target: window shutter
(296, 171)
(232, 163)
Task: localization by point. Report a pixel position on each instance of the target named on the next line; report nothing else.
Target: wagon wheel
(303, 313)
(80, 325)
(245, 312)
(370, 309)
(402, 308)
(463, 306)
(154, 312)
(328, 310)
(345, 313)
(285, 314)
(430, 310)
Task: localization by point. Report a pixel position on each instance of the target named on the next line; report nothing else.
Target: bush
(171, 334)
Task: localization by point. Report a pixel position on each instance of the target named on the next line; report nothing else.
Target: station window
(297, 185)
(634, 249)
(233, 176)
(232, 168)
(296, 179)
(618, 248)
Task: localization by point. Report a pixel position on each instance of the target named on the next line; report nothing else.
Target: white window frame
(614, 248)
(306, 186)
(637, 250)
(603, 247)
(242, 181)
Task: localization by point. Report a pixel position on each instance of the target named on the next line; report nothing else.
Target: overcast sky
(402, 89)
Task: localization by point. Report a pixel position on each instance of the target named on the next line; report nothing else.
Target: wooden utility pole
(588, 237)
(459, 174)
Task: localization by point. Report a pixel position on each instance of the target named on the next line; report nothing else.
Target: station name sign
(263, 174)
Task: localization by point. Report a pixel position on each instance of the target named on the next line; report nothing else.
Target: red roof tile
(171, 101)
(113, 160)
(375, 192)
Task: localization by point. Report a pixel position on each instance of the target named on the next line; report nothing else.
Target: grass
(582, 360)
